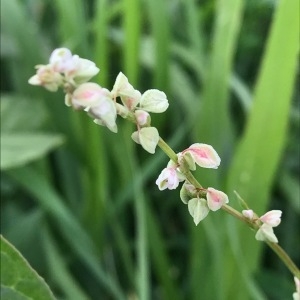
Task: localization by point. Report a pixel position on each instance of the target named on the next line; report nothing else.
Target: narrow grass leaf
(78, 239)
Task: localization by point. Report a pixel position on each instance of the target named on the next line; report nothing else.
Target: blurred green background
(80, 202)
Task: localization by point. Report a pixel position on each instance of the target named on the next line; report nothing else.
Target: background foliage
(81, 204)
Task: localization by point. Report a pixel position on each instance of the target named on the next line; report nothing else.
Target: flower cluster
(72, 73)
(269, 220)
(199, 200)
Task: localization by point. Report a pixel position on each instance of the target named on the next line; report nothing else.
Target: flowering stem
(184, 168)
(285, 259)
(189, 176)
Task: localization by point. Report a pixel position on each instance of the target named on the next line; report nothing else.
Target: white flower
(203, 155)
(47, 77)
(61, 60)
(170, 177)
(266, 233)
(215, 199)
(123, 89)
(81, 70)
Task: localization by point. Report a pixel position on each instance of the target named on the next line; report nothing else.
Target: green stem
(183, 167)
(189, 176)
(285, 259)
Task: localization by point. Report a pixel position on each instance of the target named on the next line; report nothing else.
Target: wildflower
(89, 94)
(215, 199)
(266, 233)
(123, 89)
(61, 60)
(198, 209)
(170, 177)
(272, 218)
(203, 155)
(47, 77)
(148, 137)
(80, 70)
(97, 102)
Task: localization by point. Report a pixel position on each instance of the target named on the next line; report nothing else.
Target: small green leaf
(17, 149)
(18, 280)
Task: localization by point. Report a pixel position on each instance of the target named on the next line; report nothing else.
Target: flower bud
(187, 192)
(272, 218)
(198, 209)
(154, 101)
(148, 137)
(142, 117)
(266, 233)
(203, 155)
(215, 199)
(248, 213)
(61, 60)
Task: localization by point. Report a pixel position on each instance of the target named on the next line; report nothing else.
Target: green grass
(86, 212)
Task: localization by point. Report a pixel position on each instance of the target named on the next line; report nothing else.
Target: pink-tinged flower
(46, 77)
(272, 218)
(266, 233)
(169, 178)
(203, 155)
(248, 213)
(198, 209)
(89, 94)
(296, 295)
(105, 113)
(215, 199)
(142, 117)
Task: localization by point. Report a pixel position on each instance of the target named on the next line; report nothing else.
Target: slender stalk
(285, 259)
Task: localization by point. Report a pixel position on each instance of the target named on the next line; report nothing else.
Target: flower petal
(272, 218)
(154, 101)
(204, 155)
(215, 199)
(198, 209)
(266, 233)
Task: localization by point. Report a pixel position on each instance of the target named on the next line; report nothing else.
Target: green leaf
(21, 113)
(18, 149)
(18, 280)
